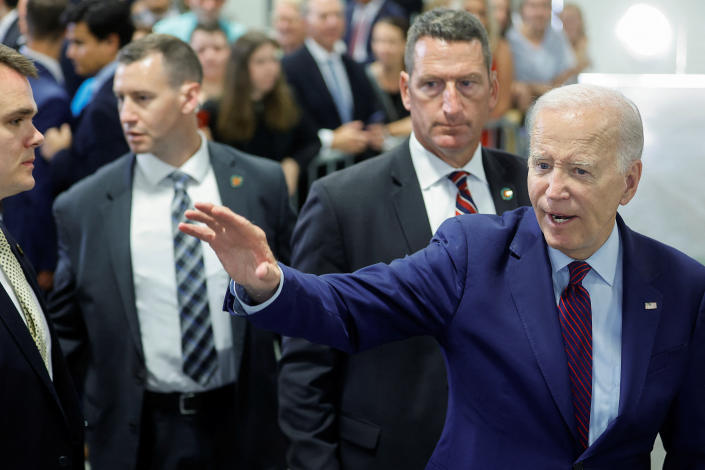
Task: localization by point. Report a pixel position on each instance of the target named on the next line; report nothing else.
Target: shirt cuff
(242, 303)
(326, 138)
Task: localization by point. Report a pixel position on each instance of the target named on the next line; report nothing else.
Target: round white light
(645, 31)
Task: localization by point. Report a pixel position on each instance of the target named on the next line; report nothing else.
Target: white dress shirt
(323, 59)
(604, 283)
(439, 192)
(152, 252)
(44, 327)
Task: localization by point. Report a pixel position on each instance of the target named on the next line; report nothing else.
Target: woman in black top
(258, 113)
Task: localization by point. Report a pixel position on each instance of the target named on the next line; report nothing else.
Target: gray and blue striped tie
(200, 359)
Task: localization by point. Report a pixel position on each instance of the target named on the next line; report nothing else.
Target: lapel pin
(236, 181)
(650, 305)
(507, 193)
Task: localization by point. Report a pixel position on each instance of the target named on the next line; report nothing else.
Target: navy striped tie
(200, 359)
(463, 201)
(575, 316)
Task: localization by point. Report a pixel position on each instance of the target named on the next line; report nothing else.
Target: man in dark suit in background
(10, 34)
(384, 408)
(168, 379)
(332, 88)
(96, 30)
(360, 18)
(41, 421)
(40, 21)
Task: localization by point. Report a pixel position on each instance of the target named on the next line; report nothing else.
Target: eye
(581, 171)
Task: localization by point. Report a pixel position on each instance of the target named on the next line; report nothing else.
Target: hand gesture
(240, 245)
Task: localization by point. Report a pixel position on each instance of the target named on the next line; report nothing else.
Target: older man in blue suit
(570, 340)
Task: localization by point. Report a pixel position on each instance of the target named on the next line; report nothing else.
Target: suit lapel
(318, 83)
(227, 172)
(18, 329)
(531, 287)
(408, 200)
(499, 182)
(115, 211)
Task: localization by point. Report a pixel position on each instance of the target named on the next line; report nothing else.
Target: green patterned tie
(12, 269)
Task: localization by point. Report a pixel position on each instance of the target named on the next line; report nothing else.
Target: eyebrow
(21, 112)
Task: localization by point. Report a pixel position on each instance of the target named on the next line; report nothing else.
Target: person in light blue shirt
(202, 11)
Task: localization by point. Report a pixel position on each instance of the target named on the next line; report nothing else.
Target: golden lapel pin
(236, 181)
(506, 193)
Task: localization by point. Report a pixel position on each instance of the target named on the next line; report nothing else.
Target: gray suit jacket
(93, 305)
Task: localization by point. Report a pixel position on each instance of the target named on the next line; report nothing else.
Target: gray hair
(628, 126)
(180, 61)
(447, 25)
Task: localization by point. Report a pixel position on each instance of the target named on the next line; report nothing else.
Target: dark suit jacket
(37, 233)
(305, 78)
(483, 289)
(13, 37)
(97, 140)
(383, 408)
(93, 306)
(389, 8)
(40, 423)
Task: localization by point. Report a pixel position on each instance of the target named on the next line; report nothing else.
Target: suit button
(578, 466)
(63, 461)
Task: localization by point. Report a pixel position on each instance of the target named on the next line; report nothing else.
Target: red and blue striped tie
(576, 324)
(463, 201)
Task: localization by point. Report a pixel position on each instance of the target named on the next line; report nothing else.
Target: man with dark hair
(168, 379)
(44, 32)
(384, 408)
(41, 420)
(96, 30)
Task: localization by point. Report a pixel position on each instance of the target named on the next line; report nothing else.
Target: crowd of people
(124, 116)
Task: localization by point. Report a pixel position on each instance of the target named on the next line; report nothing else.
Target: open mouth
(560, 219)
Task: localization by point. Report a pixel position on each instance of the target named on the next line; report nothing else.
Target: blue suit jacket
(483, 289)
(97, 140)
(37, 234)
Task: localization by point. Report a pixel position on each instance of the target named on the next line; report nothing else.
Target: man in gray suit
(168, 379)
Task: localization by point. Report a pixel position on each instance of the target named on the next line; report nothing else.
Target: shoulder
(366, 174)
(224, 155)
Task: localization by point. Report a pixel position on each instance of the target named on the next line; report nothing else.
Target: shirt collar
(51, 64)
(320, 54)
(603, 261)
(155, 170)
(431, 169)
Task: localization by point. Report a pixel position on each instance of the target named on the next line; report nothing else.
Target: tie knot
(578, 270)
(458, 177)
(179, 178)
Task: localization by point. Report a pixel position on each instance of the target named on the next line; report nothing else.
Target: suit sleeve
(309, 377)
(63, 305)
(683, 434)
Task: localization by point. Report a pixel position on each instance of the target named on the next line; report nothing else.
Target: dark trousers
(189, 432)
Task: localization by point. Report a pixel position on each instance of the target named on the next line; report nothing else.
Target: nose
(127, 115)
(557, 185)
(36, 139)
(451, 101)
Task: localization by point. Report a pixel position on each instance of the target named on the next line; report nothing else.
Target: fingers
(201, 232)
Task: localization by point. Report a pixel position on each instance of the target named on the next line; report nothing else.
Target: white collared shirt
(5, 282)
(154, 274)
(605, 285)
(439, 192)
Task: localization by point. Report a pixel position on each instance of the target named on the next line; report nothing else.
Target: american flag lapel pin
(650, 305)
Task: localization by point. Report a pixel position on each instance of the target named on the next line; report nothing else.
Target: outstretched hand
(240, 245)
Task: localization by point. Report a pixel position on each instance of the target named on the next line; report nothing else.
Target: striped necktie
(463, 201)
(575, 315)
(200, 359)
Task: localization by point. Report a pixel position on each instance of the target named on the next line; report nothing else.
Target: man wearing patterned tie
(402, 196)
(168, 379)
(571, 341)
(41, 420)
